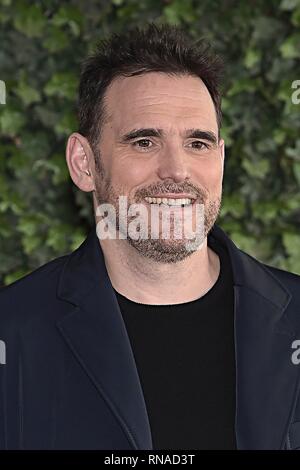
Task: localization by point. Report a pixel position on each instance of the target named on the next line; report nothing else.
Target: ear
(222, 148)
(79, 157)
(222, 152)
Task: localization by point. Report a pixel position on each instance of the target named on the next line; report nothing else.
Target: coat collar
(266, 379)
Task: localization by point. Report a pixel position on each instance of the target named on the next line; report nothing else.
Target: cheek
(209, 174)
(130, 173)
(135, 173)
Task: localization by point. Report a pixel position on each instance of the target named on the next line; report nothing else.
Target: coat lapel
(266, 378)
(94, 329)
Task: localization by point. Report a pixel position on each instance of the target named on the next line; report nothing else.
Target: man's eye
(201, 145)
(141, 141)
(144, 143)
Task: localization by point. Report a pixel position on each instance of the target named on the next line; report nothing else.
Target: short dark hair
(165, 48)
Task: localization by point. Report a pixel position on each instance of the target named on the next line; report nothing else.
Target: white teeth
(169, 201)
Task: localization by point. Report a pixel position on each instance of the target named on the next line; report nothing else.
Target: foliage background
(42, 43)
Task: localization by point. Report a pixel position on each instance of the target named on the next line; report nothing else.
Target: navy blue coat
(68, 378)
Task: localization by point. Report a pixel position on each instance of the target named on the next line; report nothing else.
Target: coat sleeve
(2, 388)
(9, 409)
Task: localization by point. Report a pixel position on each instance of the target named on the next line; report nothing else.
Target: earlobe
(78, 161)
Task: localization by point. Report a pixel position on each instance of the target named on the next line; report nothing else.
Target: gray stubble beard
(159, 249)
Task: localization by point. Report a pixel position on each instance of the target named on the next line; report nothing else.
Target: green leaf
(296, 168)
(77, 238)
(244, 242)
(234, 205)
(15, 276)
(27, 94)
(62, 84)
(66, 124)
(11, 121)
(253, 56)
(242, 85)
(296, 17)
(289, 4)
(291, 242)
(290, 48)
(256, 169)
(179, 11)
(56, 237)
(30, 244)
(70, 16)
(56, 40)
(29, 20)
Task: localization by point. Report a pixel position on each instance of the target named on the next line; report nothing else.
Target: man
(134, 342)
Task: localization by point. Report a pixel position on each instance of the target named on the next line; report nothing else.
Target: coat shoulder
(291, 282)
(289, 279)
(32, 293)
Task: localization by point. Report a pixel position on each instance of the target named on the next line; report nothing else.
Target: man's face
(153, 165)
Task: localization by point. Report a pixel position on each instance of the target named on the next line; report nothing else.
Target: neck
(146, 281)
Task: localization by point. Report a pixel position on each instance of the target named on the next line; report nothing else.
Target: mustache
(171, 188)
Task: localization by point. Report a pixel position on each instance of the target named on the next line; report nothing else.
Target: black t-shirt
(185, 357)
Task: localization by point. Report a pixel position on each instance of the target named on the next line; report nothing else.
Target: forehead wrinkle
(157, 83)
(174, 93)
(179, 110)
(167, 112)
(199, 118)
(131, 92)
(169, 105)
(166, 99)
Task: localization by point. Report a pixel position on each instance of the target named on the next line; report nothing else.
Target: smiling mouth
(171, 202)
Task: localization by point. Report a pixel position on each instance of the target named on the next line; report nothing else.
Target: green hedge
(43, 215)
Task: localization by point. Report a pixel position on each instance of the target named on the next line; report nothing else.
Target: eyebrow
(152, 132)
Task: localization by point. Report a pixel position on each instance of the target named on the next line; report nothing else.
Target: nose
(173, 165)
